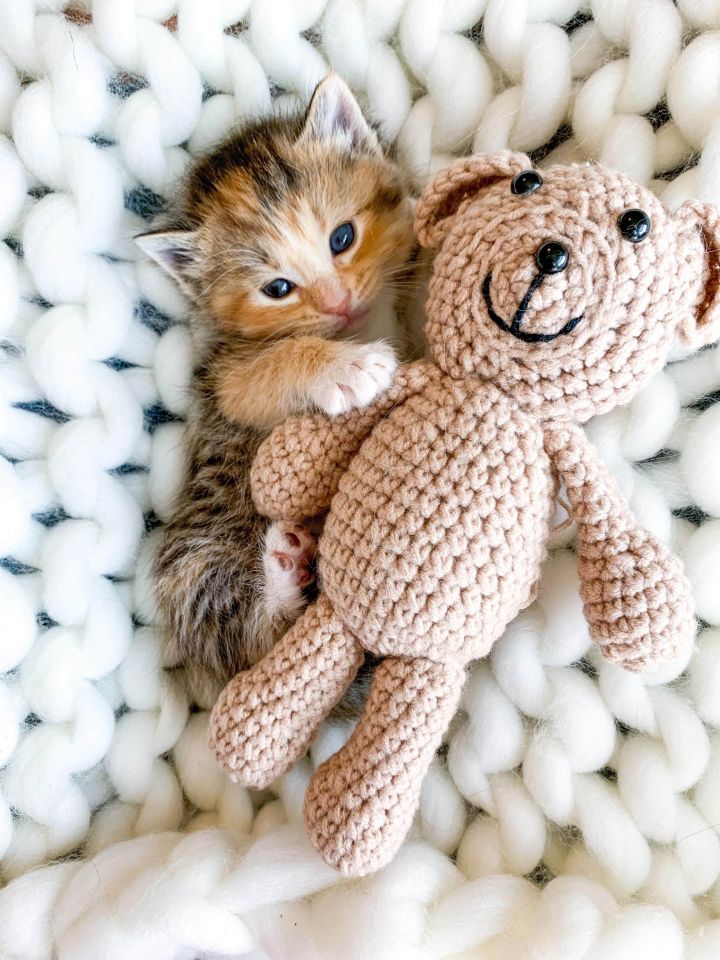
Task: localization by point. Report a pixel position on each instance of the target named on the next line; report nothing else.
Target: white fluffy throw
(575, 815)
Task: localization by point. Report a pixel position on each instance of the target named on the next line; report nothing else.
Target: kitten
(288, 239)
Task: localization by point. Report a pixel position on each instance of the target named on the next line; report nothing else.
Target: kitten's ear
(334, 114)
(176, 251)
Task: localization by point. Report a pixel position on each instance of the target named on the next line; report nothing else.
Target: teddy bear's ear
(452, 187)
(704, 326)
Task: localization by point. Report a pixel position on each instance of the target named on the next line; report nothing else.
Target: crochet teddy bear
(554, 297)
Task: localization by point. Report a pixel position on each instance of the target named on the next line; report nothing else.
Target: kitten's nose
(332, 296)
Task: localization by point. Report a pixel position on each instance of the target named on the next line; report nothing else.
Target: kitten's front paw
(354, 378)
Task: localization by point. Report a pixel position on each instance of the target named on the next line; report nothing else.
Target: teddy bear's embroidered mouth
(514, 326)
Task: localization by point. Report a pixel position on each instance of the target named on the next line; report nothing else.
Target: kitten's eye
(526, 182)
(342, 237)
(634, 225)
(278, 288)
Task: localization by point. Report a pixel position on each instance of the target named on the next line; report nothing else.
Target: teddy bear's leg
(361, 802)
(266, 717)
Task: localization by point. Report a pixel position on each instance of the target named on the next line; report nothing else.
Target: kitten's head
(293, 226)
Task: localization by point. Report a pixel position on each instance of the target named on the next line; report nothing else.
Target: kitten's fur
(259, 207)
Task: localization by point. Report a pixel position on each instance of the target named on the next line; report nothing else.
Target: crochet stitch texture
(440, 494)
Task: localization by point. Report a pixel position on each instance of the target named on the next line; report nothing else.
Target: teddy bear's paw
(356, 375)
(287, 564)
(637, 600)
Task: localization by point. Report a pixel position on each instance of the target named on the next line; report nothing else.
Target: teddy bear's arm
(636, 598)
(298, 467)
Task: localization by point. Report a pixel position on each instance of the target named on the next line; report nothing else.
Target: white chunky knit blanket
(576, 813)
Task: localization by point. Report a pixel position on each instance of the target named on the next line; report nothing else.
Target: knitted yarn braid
(440, 493)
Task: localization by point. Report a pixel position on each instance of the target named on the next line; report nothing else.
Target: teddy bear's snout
(551, 258)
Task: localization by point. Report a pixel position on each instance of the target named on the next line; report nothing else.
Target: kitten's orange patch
(237, 192)
(261, 388)
(238, 311)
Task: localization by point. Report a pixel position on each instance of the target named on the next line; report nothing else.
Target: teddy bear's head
(564, 287)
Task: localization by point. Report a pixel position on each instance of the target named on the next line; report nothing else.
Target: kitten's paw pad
(289, 552)
(359, 374)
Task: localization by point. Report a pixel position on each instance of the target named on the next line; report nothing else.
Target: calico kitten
(288, 240)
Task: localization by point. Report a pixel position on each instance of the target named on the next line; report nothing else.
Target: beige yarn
(635, 596)
(440, 493)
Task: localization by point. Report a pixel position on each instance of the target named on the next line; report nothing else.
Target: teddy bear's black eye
(526, 182)
(634, 225)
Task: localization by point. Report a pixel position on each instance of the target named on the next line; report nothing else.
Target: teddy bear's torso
(438, 529)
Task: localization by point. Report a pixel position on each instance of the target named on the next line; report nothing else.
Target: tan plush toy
(554, 297)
